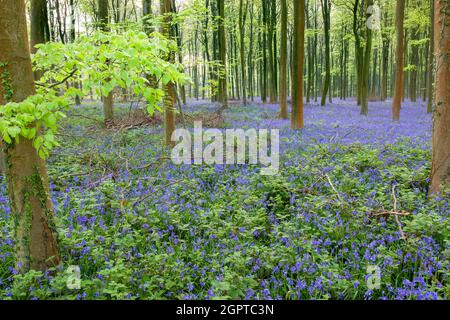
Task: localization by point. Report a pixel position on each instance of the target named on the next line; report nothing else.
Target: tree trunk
(39, 28)
(440, 169)
(358, 51)
(414, 61)
(72, 39)
(283, 61)
(179, 41)
(263, 33)
(223, 87)
(398, 91)
(39, 23)
(431, 63)
(169, 88)
(242, 19)
(366, 68)
(270, 36)
(103, 19)
(2, 159)
(36, 245)
(326, 8)
(298, 57)
(384, 66)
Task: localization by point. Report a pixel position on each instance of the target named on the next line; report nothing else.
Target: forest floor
(139, 226)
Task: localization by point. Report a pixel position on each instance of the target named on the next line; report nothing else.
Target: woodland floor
(141, 227)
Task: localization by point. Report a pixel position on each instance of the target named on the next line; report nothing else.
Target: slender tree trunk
(366, 69)
(431, 63)
(398, 92)
(264, 70)
(223, 87)
(414, 60)
(440, 169)
(38, 28)
(283, 61)
(326, 8)
(384, 66)
(72, 37)
(242, 20)
(250, 56)
(103, 19)
(270, 36)
(178, 37)
(298, 60)
(169, 88)
(34, 229)
(358, 51)
(148, 29)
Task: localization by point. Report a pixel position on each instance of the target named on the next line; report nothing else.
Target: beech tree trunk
(103, 19)
(223, 87)
(283, 61)
(242, 19)
(34, 229)
(440, 169)
(365, 69)
(398, 91)
(431, 63)
(326, 8)
(169, 88)
(39, 31)
(298, 57)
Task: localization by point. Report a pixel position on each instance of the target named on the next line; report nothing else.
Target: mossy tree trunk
(440, 170)
(36, 244)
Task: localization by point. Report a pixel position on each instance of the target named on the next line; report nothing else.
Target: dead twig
(334, 189)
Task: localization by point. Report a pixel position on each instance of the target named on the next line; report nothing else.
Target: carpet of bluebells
(140, 227)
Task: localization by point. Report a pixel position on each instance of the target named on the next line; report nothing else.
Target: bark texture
(440, 170)
(299, 51)
(398, 91)
(36, 245)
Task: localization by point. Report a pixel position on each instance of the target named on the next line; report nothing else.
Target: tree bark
(169, 88)
(431, 63)
(103, 19)
(223, 87)
(178, 36)
(440, 169)
(36, 244)
(326, 8)
(38, 28)
(298, 60)
(366, 68)
(398, 91)
(242, 20)
(283, 61)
